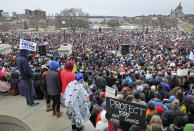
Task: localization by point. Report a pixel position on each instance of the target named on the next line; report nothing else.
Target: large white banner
(28, 45)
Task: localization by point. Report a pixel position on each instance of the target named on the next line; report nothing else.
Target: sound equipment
(42, 50)
(125, 49)
(100, 30)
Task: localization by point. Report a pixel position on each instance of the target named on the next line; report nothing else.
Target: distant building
(37, 14)
(14, 14)
(178, 12)
(6, 14)
(28, 12)
(1, 12)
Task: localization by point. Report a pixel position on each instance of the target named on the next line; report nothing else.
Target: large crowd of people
(148, 75)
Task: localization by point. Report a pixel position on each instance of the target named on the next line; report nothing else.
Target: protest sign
(122, 70)
(182, 72)
(28, 45)
(110, 92)
(127, 112)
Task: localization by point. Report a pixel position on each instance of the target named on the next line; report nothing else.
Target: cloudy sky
(100, 7)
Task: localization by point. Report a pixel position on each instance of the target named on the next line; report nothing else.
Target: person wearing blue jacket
(26, 76)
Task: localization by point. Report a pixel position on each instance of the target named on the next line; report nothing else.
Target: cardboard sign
(28, 45)
(182, 72)
(125, 111)
(110, 92)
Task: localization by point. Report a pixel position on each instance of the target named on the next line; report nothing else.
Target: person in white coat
(77, 102)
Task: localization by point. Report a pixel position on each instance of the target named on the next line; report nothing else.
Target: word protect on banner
(28, 45)
(126, 111)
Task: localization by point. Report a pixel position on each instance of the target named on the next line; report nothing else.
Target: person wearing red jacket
(67, 75)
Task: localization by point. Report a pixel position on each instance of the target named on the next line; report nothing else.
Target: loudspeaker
(42, 50)
(125, 49)
(100, 30)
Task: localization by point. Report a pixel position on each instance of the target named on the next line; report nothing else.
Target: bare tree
(113, 23)
(73, 17)
(4, 27)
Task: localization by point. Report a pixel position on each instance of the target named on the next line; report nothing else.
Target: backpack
(36, 83)
(14, 88)
(21, 88)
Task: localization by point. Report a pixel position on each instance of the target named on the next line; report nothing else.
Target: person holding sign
(26, 75)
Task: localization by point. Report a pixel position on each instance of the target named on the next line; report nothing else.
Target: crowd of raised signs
(157, 73)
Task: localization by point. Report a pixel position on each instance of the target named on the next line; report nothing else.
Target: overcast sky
(100, 7)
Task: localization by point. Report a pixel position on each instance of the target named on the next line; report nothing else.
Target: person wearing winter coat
(178, 124)
(156, 101)
(165, 85)
(190, 115)
(26, 76)
(67, 75)
(102, 122)
(4, 85)
(155, 124)
(169, 115)
(171, 99)
(77, 102)
(101, 82)
(54, 87)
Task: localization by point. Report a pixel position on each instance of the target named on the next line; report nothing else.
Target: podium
(65, 49)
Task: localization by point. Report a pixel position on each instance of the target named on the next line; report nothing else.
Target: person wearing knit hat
(54, 87)
(150, 109)
(159, 110)
(66, 75)
(77, 102)
(171, 99)
(26, 75)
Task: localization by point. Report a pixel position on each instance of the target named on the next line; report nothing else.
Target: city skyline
(99, 7)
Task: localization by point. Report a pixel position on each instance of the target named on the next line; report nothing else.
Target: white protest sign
(110, 92)
(28, 45)
(182, 72)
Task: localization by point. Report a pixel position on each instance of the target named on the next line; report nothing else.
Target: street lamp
(63, 23)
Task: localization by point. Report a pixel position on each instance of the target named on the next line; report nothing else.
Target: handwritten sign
(182, 72)
(125, 111)
(110, 92)
(28, 45)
